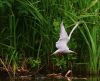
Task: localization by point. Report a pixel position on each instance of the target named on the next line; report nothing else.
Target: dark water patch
(39, 77)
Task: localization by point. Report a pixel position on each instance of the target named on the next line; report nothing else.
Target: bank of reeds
(30, 28)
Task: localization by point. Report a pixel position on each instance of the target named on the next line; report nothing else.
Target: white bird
(62, 43)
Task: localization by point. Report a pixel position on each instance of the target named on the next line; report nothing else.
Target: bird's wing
(73, 30)
(61, 43)
(63, 33)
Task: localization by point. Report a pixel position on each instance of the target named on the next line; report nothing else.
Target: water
(95, 78)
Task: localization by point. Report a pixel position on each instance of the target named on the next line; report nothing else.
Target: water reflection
(96, 78)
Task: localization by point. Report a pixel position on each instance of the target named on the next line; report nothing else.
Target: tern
(62, 43)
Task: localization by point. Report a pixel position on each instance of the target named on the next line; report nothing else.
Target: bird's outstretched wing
(61, 43)
(73, 30)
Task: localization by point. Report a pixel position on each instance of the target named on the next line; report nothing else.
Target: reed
(90, 33)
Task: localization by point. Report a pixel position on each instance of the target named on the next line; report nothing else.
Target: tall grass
(90, 33)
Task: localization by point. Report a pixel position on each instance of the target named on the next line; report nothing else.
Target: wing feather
(61, 43)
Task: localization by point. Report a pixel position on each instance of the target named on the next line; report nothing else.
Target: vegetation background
(30, 28)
